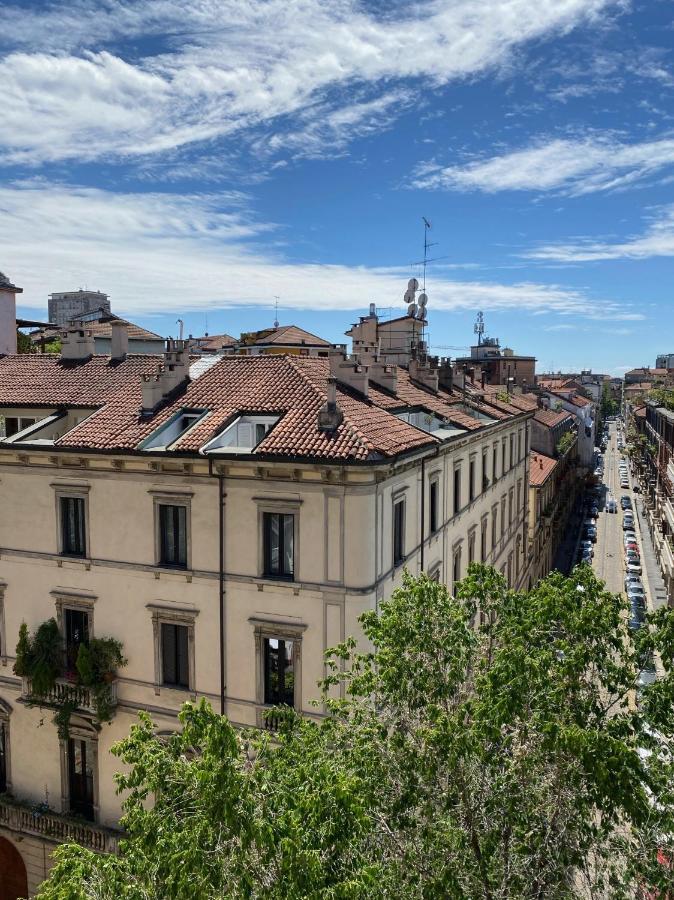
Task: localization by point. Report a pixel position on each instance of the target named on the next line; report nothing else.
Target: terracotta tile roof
(103, 329)
(212, 342)
(551, 417)
(540, 468)
(290, 336)
(641, 412)
(295, 388)
(577, 400)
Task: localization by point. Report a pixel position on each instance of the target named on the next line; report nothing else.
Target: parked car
(629, 536)
(637, 598)
(611, 506)
(647, 674)
(632, 581)
(626, 502)
(628, 525)
(590, 534)
(632, 558)
(633, 568)
(594, 511)
(586, 545)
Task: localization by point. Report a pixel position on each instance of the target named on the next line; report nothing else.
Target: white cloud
(225, 66)
(658, 240)
(571, 167)
(159, 253)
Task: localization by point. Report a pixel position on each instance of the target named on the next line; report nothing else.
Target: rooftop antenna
(180, 332)
(478, 328)
(427, 246)
(276, 300)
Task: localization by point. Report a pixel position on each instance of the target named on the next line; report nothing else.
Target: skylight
(172, 431)
(243, 435)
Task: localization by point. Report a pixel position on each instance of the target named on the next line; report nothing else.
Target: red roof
(293, 387)
(288, 336)
(551, 417)
(540, 468)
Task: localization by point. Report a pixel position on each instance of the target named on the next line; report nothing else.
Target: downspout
(221, 538)
(423, 506)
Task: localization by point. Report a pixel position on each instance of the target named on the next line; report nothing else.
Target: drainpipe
(423, 506)
(221, 538)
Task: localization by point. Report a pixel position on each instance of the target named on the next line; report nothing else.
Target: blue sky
(195, 158)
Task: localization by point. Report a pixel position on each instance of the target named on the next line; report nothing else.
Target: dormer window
(242, 435)
(174, 430)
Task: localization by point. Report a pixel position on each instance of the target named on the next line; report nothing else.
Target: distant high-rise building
(665, 361)
(65, 306)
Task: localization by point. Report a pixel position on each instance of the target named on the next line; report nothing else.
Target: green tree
(487, 746)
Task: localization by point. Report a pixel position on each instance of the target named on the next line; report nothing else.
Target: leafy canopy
(487, 746)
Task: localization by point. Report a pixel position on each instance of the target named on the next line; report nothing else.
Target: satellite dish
(409, 297)
(422, 299)
(412, 310)
(412, 285)
(423, 312)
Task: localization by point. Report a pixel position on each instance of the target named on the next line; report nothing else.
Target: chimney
(77, 344)
(8, 292)
(483, 378)
(425, 373)
(330, 416)
(348, 371)
(446, 374)
(383, 375)
(119, 342)
(173, 372)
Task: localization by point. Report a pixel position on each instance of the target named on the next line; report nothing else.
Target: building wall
(103, 346)
(344, 566)
(7, 322)
(69, 304)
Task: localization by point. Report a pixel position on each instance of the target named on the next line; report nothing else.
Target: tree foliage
(487, 746)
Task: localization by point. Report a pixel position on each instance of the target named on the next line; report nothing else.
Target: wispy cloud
(573, 167)
(161, 253)
(74, 85)
(658, 240)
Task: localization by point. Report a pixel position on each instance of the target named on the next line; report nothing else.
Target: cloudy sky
(198, 158)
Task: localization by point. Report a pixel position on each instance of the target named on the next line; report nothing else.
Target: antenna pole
(427, 226)
(276, 300)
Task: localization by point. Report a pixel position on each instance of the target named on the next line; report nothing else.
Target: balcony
(63, 691)
(44, 823)
(667, 556)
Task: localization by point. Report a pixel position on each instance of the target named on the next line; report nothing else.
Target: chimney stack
(77, 344)
(119, 341)
(349, 371)
(173, 372)
(446, 374)
(8, 292)
(425, 373)
(330, 416)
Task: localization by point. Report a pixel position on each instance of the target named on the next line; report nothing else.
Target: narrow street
(608, 551)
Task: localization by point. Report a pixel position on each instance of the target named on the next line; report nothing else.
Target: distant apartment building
(228, 521)
(665, 361)
(67, 306)
(113, 336)
(500, 366)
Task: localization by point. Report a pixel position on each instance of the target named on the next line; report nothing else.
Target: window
(73, 539)
(175, 655)
(494, 517)
(503, 515)
(510, 507)
(172, 535)
(519, 495)
(279, 545)
(503, 456)
(4, 753)
(457, 490)
(75, 633)
(519, 445)
(174, 430)
(471, 547)
(456, 567)
(398, 532)
(494, 462)
(483, 539)
(485, 470)
(433, 506)
(81, 778)
(15, 424)
(471, 481)
(279, 672)
(512, 450)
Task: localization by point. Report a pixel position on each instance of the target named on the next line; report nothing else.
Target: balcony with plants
(90, 689)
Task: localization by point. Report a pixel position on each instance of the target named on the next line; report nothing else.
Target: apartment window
(512, 450)
(456, 567)
(457, 490)
(14, 424)
(503, 516)
(503, 456)
(279, 672)
(471, 481)
(471, 547)
(494, 517)
(278, 666)
(398, 532)
(433, 506)
(510, 507)
(485, 470)
(175, 655)
(279, 545)
(173, 535)
(81, 777)
(75, 633)
(494, 462)
(5, 779)
(519, 495)
(519, 445)
(510, 570)
(73, 535)
(483, 539)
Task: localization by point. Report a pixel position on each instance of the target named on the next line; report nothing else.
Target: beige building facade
(227, 528)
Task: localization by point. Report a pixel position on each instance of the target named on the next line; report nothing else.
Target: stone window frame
(473, 491)
(494, 463)
(79, 601)
(289, 506)
(79, 729)
(171, 615)
(264, 629)
(484, 534)
(5, 716)
(172, 498)
(494, 526)
(457, 550)
(73, 491)
(472, 534)
(504, 521)
(435, 571)
(399, 496)
(434, 480)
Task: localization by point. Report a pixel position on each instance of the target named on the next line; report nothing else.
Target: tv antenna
(276, 300)
(478, 328)
(427, 245)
